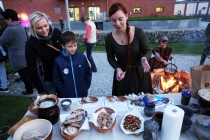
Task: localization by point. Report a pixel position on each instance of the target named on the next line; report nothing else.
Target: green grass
(13, 108)
(178, 48)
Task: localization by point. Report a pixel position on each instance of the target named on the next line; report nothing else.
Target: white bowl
(42, 125)
(137, 114)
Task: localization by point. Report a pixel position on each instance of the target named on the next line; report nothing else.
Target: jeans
(3, 75)
(26, 79)
(89, 55)
(205, 52)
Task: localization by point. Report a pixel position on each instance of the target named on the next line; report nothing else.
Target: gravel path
(102, 80)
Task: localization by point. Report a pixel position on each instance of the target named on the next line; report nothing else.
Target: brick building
(95, 9)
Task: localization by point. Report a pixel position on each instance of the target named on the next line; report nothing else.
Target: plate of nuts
(132, 123)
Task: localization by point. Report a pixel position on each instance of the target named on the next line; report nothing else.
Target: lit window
(159, 9)
(137, 10)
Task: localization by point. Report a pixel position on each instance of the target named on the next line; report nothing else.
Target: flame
(167, 84)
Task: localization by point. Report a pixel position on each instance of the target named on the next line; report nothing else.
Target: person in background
(3, 74)
(128, 53)
(43, 45)
(207, 45)
(90, 40)
(72, 74)
(61, 23)
(162, 53)
(13, 40)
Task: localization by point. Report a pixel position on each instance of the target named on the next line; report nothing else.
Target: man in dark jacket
(207, 45)
(72, 73)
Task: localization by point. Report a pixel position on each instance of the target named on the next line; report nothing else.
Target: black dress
(135, 80)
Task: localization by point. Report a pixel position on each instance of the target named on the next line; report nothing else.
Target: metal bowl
(170, 70)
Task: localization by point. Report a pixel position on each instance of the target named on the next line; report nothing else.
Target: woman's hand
(145, 64)
(120, 74)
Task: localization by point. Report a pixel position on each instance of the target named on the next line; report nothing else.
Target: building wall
(203, 8)
(29, 6)
(191, 9)
(48, 6)
(148, 7)
(179, 7)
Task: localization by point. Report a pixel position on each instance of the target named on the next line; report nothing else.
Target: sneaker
(27, 93)
(4, 90)
(16, 74)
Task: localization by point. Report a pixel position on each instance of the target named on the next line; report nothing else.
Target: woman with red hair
(128, 53)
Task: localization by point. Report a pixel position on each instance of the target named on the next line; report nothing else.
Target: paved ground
(102, 80)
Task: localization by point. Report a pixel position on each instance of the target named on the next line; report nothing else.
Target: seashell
(80, 117)
(76, 124)
(70, 130)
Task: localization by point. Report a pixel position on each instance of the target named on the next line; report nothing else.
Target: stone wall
(153, 37)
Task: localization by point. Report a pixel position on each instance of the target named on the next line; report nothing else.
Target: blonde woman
(44, 43)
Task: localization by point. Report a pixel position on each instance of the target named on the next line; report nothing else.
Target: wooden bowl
(110, 111)
(116, 98)
(89, 99)
(41, 125)
(70, 137)
(32, 109)
(204, 97)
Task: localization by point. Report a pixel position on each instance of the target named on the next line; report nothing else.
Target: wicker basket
(70, 137)
(110, 111)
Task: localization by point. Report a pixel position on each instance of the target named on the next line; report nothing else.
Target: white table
(117, 133)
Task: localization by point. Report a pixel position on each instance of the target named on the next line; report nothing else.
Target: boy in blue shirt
(71, 74)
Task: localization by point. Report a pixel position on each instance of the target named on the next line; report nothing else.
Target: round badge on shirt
(66, 71)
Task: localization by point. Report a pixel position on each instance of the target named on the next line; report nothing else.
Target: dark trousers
(89, 55)
(26, 79)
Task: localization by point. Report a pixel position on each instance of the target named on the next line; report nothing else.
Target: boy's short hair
(67, 36)
(10, 13)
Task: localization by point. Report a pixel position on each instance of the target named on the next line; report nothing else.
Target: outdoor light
(24, 19)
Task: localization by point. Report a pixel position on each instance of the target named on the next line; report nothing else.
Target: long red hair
(113, 9)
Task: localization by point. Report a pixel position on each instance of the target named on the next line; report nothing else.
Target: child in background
(71, 74)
